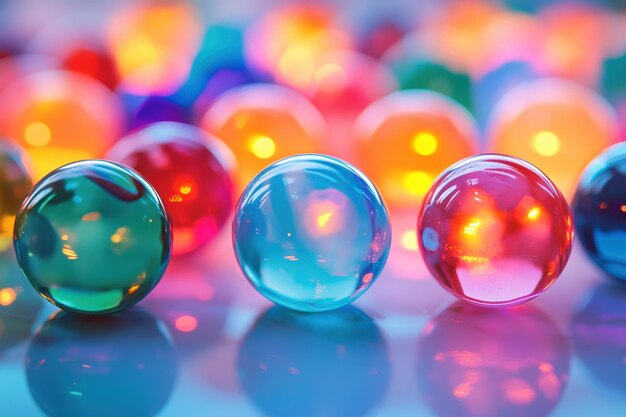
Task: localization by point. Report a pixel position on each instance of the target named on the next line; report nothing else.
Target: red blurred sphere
(190, 170)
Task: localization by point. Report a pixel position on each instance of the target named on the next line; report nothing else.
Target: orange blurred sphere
(59, 117)
(556, 125)
(154, 44)
(291, 43)
(262, 123)
(406, 139)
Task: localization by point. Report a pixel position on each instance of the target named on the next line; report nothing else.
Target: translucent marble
(311, 233)
(15, 183)
(190, 170)
(599, 208)
(495, 231)
(93, 237)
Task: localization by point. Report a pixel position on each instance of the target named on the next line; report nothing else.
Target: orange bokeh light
(186, 323)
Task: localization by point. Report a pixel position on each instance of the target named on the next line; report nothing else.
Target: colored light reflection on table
(101, 366)
(598, 333)
(404, 140)
(332, 364)
(556, 125)
(59, 117)
(495, 231)
(262, 123)
(475, 362)
(190, 170)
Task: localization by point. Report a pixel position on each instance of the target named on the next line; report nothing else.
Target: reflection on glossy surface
(15, 183)
(328, 364)
(193, 303)
(190, 170)
(404, 140)
(311, 233)
(478, 362)
(495, 231)
(59, 117)
(262, 123)
(93, 237)
(118, 365)
(599, 209)
(599, 334)
(19, 303)
(557, 125)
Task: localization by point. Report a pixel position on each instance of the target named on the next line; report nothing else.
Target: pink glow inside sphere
(495, 231)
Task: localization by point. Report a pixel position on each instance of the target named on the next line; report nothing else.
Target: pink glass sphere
(190, 170)
(495, 231)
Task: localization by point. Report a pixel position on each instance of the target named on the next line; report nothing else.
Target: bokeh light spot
(37, 134)
(546, 143)
(262, 146)
(425, 143)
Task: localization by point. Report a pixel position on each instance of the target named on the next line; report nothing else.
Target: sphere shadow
(117, 365)
(474, 361)
(598, 332)
(313, 365)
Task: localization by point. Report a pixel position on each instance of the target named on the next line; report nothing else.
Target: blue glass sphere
(599, 209)
(311, 233)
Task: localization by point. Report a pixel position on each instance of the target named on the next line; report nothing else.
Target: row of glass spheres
(311, 232)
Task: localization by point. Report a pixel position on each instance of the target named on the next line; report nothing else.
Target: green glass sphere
(93, 237)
